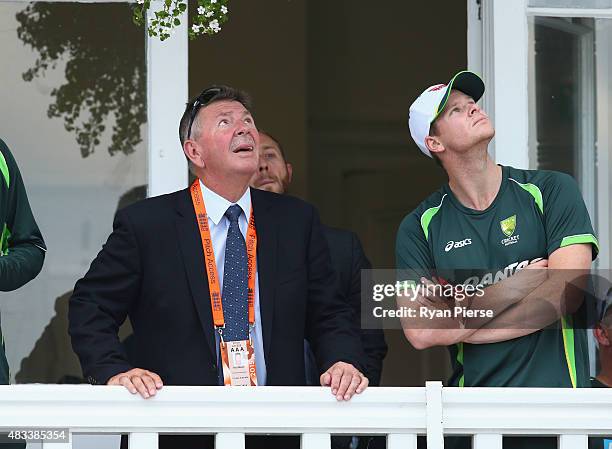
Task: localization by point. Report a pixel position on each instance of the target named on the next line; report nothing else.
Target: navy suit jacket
(152, 269)
(348, 259)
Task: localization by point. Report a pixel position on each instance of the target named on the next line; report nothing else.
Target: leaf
(97, 82)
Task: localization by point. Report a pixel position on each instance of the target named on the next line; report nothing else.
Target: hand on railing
(138, 380)
(345, 380)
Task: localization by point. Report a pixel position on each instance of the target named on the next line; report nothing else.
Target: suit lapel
(266, 263)
(190, 246)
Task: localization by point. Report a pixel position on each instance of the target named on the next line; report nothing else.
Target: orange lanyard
(211, 265)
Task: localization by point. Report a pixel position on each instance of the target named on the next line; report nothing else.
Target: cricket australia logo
(508, 226)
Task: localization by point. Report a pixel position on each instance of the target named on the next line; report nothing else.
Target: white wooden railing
(229, 413)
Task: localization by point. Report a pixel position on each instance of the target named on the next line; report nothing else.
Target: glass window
(73, 114)
(571, 102)
(572, 99)
(564, 75)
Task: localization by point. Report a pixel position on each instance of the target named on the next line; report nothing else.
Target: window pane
(73, 114)
(561, 85)
(587, 4)
(573, 98)
(572, 102)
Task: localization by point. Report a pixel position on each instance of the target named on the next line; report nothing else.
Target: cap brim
(467, 82)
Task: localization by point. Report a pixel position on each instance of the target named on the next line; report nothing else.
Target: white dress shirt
(216, 206)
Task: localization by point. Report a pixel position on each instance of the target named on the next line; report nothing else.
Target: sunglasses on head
(202, 100)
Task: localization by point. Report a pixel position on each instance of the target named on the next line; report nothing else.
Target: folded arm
(423, 331)
(547, 303)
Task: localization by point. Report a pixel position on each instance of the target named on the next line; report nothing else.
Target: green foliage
(105, 69)
(210, 15)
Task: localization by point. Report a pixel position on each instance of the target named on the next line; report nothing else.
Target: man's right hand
(138, 380)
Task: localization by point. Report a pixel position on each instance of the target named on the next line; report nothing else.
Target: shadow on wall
(52, 360)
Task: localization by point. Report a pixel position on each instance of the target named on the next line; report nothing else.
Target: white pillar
(143, 441)
(488, 441)
(316, 441)
(401, 441)
(505, 49)
(167, 90)
(435, 426)
(229, 441)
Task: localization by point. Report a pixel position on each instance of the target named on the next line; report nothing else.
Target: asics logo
(454, 245)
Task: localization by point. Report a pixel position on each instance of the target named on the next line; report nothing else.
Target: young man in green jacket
(22, 249)
(488, 227)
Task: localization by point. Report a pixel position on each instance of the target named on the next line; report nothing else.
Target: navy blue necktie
(235, 281)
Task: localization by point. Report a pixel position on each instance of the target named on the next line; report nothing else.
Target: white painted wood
(95, 441)
(531, 75)
(487, 441)
(435, 426)
(603, 13)
(574, 442)
(474, 36)
(603, 39)
(104, 409)
(229, 441)
(55, 445)
(509, 47)
(488, 64)
(143, 441)
(587, 120)
(316, 441)
(167, 90)
(401, 441)
(51, 445)
(527, 411)
(400, 412)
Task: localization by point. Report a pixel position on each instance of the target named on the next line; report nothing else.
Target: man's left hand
(345, 380)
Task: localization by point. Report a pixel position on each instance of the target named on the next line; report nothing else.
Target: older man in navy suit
(157, 268)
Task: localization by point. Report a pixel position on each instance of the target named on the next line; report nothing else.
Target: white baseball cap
(431, 102)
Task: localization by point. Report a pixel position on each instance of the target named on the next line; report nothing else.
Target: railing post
(435, 428)
(488, 441)
(573, 442)
(54, 445)
(229, 441)
(316, 441)
(401, 441)
(143, 441)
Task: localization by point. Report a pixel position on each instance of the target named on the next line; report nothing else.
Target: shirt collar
(216, 205)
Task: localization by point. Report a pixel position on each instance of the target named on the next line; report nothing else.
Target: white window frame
(587, 153)
(167, 90)
(501, 26)
(499, 48)
(604, 140)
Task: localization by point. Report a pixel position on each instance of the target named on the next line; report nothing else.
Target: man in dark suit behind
(347, 255)
(348, 259)
(152, 269)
